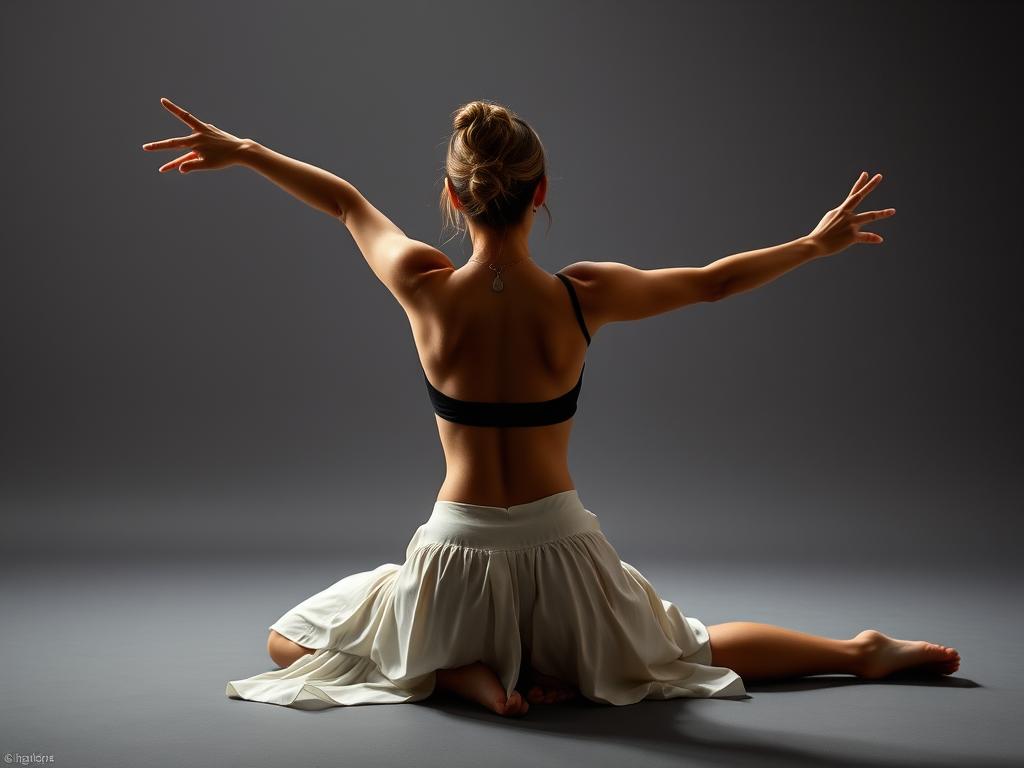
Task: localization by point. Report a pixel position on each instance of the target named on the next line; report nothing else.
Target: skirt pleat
(535, 583)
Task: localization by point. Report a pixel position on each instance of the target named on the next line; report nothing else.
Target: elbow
(718, 288)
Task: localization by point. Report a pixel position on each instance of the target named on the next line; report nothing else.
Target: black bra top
(483, 414)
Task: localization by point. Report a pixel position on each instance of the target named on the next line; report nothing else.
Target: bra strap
(575, 305)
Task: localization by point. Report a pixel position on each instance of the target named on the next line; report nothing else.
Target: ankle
(863, 649)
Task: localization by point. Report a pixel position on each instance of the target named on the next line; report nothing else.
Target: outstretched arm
(397, 260)
(611, 291)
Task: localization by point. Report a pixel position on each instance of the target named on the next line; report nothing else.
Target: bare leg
(283, 651)
(758, 651)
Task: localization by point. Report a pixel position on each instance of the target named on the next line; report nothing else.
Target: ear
(541, 192)
(452, 197)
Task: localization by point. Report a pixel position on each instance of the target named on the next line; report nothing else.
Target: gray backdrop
(211, 409)
(203, 365)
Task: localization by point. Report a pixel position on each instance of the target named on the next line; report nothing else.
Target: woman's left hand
(210, 147)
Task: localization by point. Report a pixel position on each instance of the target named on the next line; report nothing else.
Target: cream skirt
(534, 584)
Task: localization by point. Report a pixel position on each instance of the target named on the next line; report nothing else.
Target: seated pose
(510, 594)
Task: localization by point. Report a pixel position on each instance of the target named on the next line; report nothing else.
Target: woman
(510, 582)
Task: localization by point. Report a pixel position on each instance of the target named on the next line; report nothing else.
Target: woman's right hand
(840, 227)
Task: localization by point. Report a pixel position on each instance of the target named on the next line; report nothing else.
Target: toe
(514, 704)
(935, 650)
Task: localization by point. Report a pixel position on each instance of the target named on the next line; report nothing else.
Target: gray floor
(124, 664)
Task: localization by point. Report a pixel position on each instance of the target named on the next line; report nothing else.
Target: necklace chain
(498, 285)
(497, 266)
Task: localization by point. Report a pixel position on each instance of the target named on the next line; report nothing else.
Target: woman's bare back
(522, 344)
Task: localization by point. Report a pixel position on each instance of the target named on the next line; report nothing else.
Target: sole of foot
(885, 656)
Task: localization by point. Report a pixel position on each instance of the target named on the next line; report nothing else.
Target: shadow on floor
(676, 728)
(818, 682)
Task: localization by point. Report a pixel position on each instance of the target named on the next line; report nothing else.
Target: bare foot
(545, 689)
(477, 682)
(884, 655)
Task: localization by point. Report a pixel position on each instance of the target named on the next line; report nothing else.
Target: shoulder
(595, 283)
(421, 267)
(589, 280)
(595, 276)
(419, 259)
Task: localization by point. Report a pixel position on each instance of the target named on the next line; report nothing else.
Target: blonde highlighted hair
(495, 161)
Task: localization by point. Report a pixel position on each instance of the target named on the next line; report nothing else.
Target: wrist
(247, 151)
(811, 246)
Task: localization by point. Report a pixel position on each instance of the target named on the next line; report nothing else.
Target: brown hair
(494, 163)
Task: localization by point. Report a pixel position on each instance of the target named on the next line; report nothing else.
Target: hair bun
(486, 131)
(479, 112)
(486, 182)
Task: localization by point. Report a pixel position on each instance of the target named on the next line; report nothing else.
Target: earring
(534, 210)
